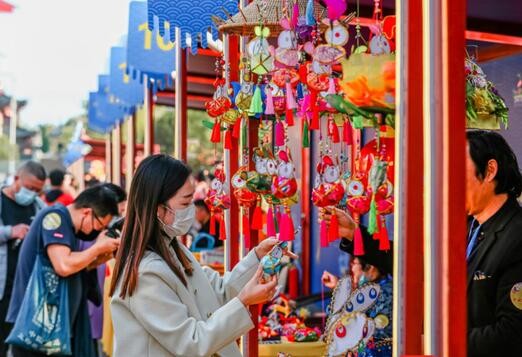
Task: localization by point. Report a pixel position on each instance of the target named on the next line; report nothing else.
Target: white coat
(164, 318)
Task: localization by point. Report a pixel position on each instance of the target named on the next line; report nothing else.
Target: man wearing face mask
(18, 206)
(57, 231)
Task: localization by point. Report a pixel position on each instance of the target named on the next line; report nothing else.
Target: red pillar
(408, 307)
(233, 240)
(181, 102)
(445, 143)
(252, 339)
(454, 267)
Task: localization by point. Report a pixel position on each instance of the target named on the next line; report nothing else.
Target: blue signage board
(148, 52)
(193, 18)
(127, 89)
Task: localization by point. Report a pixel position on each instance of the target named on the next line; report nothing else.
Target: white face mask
(183, 220)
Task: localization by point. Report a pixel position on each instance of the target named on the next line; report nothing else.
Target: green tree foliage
(6, 148)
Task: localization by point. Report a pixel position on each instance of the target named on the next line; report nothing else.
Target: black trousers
(5, 327)
(20, 352)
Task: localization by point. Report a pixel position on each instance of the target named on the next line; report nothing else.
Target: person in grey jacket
(19, 203)
(163, 302)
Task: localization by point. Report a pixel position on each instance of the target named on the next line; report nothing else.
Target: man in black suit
(494, 251)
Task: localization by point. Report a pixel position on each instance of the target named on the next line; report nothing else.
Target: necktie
(472, 238)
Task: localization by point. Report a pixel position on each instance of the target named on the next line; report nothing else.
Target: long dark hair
(157, 180)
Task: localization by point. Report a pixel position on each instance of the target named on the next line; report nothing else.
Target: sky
(51, 52)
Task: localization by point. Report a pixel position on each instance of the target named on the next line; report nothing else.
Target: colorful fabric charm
(310, 18)
(256, 106)
(269, 110)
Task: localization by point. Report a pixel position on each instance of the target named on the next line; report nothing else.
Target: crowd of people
(54, 246)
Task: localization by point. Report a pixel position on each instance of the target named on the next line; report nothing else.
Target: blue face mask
(25, 197)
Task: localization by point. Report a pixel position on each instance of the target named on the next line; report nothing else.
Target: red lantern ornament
(217, 201)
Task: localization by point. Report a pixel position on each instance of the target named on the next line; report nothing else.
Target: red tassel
(314, 123)
(257, 220)
(384, 240)
(333, 230)
(222, 230)
(290, 117)
(333, 130)
(291, 228)
(270, 225)
(303, 73)
(283, 229)
(237, 129)
(246, 231)
(358, 245)
(323, 234)
(212, 224)
(228, 139)
(286, 232)
(279, 133)
(347, 133)
(216, 133)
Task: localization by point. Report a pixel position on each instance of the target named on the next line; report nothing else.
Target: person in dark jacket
(494, 250)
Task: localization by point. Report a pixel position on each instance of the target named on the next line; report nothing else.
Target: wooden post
(180, 126)
(116, 154)
(130, 150)
(454, 266)
(445, 331)
(108, 157)
(408, 235)
(148, 108)
(231, 44)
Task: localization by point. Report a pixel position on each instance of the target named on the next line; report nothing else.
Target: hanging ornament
(328, 191)
(220, 104)
(284, 188)
(358, 203)
(217, 201)
(245, 199)
(261, 59)
(287, 53)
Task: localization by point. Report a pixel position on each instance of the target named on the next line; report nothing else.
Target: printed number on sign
(160, 41)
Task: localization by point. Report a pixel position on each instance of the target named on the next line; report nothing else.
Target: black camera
(114, 230)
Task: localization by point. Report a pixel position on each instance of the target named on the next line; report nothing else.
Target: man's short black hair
(488, 145)
(100, 198)
(202, 204)
(56, 177)
(33, 168)
(121, 195)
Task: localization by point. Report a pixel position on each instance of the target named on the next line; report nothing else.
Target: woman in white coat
(163, 302)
